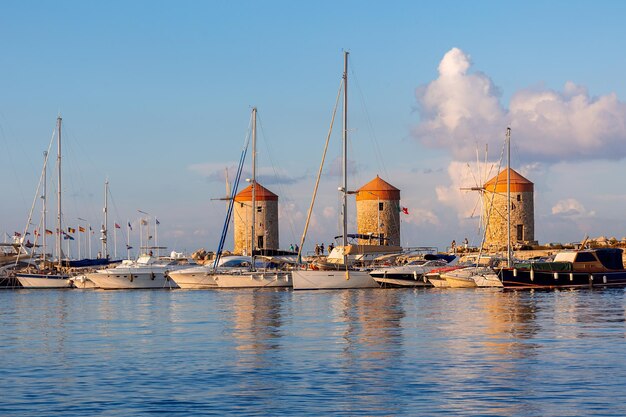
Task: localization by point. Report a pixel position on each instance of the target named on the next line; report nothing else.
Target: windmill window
(381, 206)
(519, 197)
(241, 205)
(259, 209)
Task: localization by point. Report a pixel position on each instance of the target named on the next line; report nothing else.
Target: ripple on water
(345, 353)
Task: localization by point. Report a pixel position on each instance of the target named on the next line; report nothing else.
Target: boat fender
(532, 274)
(571, 276)
(515, 272)
(556, 275)
(131, 278)
(604, 278)
(415, 275)
(152, 276)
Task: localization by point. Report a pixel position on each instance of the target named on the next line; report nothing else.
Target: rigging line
(281, 189)
(117, 215)
(37, 196)
(484, 237)
(372, 134)
(319, 174)
(76, 177)
(231, 202)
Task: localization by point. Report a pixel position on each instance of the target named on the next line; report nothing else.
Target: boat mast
(59, 222)
(105, 226)
(508, 196)
(344, 203)
(44, 208)
(252, 243)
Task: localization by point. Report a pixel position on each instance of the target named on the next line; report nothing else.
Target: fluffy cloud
(459, 109)
(570, 207)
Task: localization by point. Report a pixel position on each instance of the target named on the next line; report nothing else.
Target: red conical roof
(377, 189)
(518, 183)
(262, 194)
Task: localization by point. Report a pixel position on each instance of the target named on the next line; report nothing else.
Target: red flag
(405, 210)
(81, 229)
(117, 226)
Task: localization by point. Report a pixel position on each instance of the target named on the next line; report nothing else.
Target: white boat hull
(332, 280)
(193, 280)
(82, 282)
(254, 280)
(472, 277)
(42, 281)
(131, 280)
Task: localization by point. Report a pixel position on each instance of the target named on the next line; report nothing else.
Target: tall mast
(44, 208)
(344, 203)
(508, 196)
(105, 226)
(252, 243)
(59, 222)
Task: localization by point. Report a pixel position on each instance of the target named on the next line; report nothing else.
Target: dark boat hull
(526, 278)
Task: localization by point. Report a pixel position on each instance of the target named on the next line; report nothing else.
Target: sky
(156, 98)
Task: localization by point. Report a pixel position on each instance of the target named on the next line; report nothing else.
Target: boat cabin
(593, 260)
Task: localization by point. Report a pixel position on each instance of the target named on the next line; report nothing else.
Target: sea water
(404, 352)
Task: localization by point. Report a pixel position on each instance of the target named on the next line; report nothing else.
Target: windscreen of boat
(611, 258)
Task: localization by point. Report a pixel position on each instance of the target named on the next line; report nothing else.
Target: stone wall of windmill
(378, 213)
(522, 226)
(266, 219)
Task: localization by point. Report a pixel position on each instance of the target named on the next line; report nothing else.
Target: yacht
(145, 272)
(413, 273)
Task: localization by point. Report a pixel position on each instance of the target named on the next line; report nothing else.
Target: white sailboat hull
(254, 280)
(42, 281)
(332, 280)
(194, 280)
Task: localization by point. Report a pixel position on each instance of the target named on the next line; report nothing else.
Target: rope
(319, 174)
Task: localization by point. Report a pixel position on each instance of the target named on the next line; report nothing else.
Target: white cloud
(419, 216)
(460, 108)
(571, 207)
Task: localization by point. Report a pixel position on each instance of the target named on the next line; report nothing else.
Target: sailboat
(483, 275)
(221, 274)
(45, 277)
(255, 277)
(342, 276)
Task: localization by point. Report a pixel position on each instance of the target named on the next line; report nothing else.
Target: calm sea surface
(346, 353)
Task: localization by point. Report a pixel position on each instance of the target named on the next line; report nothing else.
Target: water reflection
(366, 352)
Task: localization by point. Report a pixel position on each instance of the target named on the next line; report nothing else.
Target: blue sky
(156, 97)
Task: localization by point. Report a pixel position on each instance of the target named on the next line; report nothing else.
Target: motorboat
(601, 267)
(471, 277)
(413, 273)
(145, 272)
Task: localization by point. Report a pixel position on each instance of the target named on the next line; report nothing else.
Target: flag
(144, 222)
(67, 237)
(128, 247)
(36, 232)
(117, 226)
(157, 221)
(81, 229)
(405, 210)
(17, 234)
(129, 226)
(49, 232)
(71, 230)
